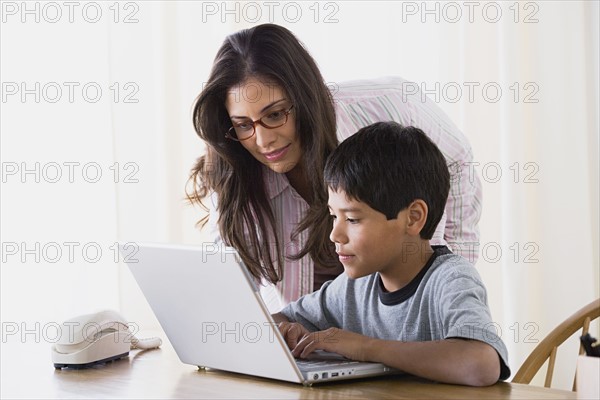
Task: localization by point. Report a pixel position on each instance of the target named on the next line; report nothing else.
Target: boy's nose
(336, 235)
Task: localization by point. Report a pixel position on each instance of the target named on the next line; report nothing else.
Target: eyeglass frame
(259, 121)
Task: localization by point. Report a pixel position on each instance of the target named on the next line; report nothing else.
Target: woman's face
(277, 148)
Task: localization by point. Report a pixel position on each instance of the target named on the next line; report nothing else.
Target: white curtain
(519, 78)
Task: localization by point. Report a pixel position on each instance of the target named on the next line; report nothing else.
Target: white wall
(160, 59)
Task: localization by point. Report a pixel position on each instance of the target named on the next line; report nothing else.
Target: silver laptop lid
(210, 310)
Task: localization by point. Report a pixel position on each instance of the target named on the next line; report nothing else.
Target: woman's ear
(417, 216)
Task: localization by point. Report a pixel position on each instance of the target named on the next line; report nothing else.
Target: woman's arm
(463, 209)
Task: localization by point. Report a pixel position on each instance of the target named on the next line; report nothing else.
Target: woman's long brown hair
(272, 54)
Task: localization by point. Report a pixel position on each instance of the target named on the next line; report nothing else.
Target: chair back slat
(584, 330)
(550, 371)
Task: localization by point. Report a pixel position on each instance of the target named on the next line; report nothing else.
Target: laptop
(212, 312)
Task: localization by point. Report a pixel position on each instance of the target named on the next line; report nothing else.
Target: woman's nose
(264, 136)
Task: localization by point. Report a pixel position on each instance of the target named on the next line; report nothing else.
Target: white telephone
(96, 338)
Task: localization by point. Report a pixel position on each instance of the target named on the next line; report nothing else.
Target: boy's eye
(332, 216)
(352, 220)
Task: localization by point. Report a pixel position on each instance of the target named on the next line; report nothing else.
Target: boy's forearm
(465, 362)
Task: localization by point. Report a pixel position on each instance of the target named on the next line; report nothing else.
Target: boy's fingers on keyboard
(284, 328)
(296, 332)
(306, 345)
(292, 332)
(312, 345)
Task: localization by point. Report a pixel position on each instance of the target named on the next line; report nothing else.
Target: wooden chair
(547, 348)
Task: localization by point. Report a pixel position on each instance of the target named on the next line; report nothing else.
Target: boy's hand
(292, 333)
(348, 344)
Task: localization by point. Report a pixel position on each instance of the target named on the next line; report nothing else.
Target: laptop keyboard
(303, 364)
(324, 362)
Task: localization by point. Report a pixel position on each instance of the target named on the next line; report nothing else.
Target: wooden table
(27, 372)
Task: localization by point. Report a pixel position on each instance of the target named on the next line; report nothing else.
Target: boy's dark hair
(388, 166)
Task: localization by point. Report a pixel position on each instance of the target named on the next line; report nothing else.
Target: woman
(269, 122)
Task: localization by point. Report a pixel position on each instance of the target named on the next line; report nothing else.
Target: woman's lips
(277, 154)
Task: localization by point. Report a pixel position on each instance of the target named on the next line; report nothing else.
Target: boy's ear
(417, 216)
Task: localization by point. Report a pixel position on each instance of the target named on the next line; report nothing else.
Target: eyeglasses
(246, 129)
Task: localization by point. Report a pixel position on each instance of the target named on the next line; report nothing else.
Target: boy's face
(366, 242)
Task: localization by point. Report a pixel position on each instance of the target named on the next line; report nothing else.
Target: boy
(419, 309)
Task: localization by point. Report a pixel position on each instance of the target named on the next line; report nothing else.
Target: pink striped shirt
(358, 104)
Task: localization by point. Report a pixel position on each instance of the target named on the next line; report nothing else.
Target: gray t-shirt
(447, 299)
